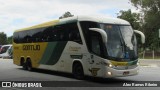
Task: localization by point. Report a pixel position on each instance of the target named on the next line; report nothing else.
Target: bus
(80, 45)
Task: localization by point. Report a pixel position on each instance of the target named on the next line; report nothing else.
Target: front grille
(125, 67)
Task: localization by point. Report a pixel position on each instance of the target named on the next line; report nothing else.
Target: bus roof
(50, 23)
(108, 20)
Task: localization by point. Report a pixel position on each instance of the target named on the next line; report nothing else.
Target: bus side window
(74, 36)
(95, 46)
(56, 36)
(67, 32)
(73, 33)
(16, 37)
(61, 33)
(96, 43)
(85, 25)
(46, 34)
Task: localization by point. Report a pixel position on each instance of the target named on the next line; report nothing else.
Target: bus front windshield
(121, 43)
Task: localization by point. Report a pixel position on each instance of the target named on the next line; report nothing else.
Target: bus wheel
(78, 71)
(29, 65)
(24, 66)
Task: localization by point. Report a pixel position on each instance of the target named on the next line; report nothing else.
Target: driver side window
(95, 43)
(95, 46)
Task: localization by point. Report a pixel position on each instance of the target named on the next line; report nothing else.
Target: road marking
(151, 65)
(154, 65)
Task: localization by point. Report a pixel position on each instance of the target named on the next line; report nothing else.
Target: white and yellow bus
(98, 47)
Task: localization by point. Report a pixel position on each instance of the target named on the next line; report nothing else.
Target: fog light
(109, 73)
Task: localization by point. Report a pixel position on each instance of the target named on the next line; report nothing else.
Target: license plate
(126, 73)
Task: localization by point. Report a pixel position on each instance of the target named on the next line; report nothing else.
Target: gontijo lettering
(31, 47)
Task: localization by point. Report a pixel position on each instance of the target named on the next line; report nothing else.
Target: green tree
(150, 14)
(3, 38)
(133, 18)
(9, 40)
(65, 15)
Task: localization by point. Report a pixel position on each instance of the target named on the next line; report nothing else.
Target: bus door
(95, 59)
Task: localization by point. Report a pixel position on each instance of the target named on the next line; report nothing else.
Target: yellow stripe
(40, 25)
(115, 63)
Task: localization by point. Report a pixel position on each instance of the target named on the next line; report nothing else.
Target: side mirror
(142, 36)
(102, 32)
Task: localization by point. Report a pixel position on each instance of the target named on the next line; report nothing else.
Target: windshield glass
(4, 49)
(121, 43)
(129, 41)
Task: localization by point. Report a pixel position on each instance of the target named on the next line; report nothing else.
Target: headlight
(110, 65)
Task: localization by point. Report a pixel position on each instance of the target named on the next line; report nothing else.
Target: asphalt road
(149, 72)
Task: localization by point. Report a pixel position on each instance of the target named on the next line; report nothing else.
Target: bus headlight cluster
(110, 65)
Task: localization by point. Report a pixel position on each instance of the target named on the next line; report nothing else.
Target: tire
(29, 65)
(78, 71)
(24, 66)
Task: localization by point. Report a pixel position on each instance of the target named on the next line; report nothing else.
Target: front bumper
(111, 72)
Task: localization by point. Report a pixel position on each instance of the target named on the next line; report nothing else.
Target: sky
(17, 14)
